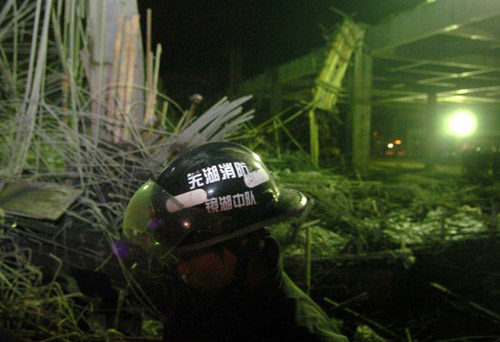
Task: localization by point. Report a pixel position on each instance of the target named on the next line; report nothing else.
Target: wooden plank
(37, 200)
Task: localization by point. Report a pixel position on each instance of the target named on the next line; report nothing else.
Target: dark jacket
(276, 310)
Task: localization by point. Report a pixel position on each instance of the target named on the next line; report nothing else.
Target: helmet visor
(145, 215)
(139, 213)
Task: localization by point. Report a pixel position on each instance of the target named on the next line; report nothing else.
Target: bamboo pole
(156, 74)
(151, 99)
(152, 84)
(149, 50)
(124, 78)
(132, 29)
(34, 88)
(329, 81)
(314, 137)
(308, 260)
(14, 55)
(120, 86)
(148, 115)
(112, 108)
(101, 72)
(163, 117)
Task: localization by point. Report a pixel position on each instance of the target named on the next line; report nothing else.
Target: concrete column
(275, 105)
(360, 110)
(431, 120)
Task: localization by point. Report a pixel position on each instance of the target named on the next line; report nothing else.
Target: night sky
(197, 36)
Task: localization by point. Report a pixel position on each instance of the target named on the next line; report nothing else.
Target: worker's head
(211, 268)
(211, 194)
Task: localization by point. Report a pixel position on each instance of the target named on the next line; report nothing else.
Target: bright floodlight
(462, 123)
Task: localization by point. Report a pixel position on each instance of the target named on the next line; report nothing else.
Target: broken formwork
(404, 254)
(342, 44)
(87, 234)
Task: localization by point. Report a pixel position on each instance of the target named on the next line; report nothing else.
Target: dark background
(198, 36)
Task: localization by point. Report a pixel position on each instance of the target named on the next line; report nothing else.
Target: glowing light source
(390, 145)
(462, 123)
(398, 142)
(451, 28)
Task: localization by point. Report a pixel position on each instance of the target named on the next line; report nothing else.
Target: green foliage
(32, 308)
(366, 334)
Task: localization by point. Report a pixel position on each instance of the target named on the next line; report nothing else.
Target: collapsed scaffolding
(48, 146)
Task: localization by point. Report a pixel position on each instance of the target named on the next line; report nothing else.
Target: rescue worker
(210, 208)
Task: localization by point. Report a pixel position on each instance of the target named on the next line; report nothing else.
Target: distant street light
(462, 123)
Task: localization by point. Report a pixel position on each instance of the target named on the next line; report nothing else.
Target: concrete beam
(304, 66)
(475, 34)
(428, 20)
(310, 64)
(431, 118)
(464, 61)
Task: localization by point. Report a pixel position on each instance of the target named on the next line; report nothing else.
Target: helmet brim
(289, 203)
(142, 219)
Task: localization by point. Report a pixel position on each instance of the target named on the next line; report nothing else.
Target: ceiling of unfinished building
(450, 48)
(447, 47)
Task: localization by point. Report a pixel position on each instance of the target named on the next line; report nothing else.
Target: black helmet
(209, 194)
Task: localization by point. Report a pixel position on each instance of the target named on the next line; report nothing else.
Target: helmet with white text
(212, 193)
